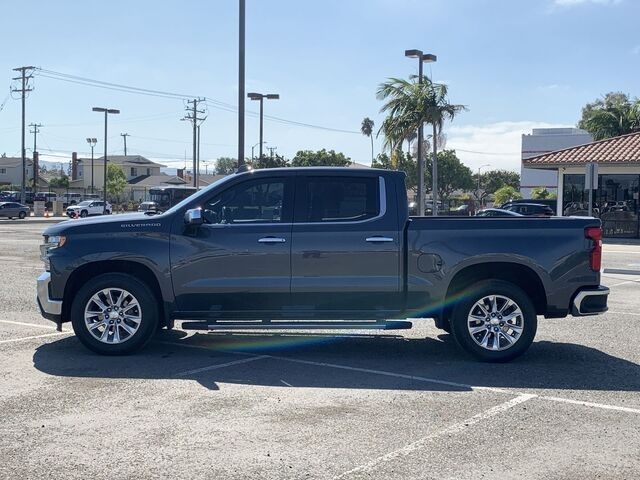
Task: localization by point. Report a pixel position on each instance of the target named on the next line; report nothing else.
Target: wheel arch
(520, 275)
(136, 269)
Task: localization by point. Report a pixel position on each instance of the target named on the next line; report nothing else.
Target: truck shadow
(342, 361)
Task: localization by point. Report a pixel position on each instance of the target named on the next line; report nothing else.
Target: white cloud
(498, 144)
(571, 3)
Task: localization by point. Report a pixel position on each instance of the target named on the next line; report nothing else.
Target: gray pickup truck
(317, 248)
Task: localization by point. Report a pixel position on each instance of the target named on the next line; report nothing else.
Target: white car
(88, 207)
(71, 198)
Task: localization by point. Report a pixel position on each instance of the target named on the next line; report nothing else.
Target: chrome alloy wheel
(112, 315)
(495, 322)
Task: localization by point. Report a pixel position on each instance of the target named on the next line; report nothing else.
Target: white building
(134, 166)
(11, 170)
(539, 142)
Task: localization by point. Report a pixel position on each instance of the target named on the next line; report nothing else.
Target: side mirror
(193, 216)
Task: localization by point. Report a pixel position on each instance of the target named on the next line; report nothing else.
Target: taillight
(595, 234)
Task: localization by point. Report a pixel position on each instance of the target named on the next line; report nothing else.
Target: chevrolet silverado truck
(317, 248)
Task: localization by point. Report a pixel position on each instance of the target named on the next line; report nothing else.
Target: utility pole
(198, 153)
(35, 132)
(271, 150)
(26, 75)
(192, 116)
(124, 137)
(241, 85)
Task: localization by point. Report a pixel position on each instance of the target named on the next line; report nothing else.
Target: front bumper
(590, 301)
(50, 309)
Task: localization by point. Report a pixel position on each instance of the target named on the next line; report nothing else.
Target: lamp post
(261, 97)
(424, 58)
(480, 168)
(106, 112)
(254, 146)
(92, 143)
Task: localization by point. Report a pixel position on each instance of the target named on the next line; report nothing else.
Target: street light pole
(92, 143)
(480, 168)
(241, 85)
(106, 111)
(423, 58)
(261, 97)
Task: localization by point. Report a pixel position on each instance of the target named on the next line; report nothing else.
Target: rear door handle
(379, 239)
(271, 240)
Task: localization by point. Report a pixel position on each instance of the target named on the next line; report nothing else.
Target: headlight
(51, 242)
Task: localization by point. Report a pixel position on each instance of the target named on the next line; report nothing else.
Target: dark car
(530, 209)
(317, 248)
(497, 212)
(13, 210)
(149, 208)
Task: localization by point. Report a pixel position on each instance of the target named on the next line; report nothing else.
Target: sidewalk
(34, 220)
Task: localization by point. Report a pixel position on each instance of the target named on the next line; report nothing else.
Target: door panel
(340, 265)
(238, 263)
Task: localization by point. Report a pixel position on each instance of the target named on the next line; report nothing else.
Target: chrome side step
(300, 325)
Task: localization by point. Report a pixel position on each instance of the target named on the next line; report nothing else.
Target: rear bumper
(590, 301)
(50, 309)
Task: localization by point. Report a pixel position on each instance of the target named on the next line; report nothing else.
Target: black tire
(84, 214)
(149, 313)
(444, 323)
(21, 215)
(463, 309)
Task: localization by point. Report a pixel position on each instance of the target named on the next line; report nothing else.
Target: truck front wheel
(495, 322)
(114, 314)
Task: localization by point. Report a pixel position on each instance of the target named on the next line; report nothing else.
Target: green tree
(321, 158)
(409, 105)
(452, 174)
(270, 162)
(116, 180)
(505, 194)
(226, 166)
(399, 161)
(613, 115)
(367, 130)
(540, 193)
(59, 182)
(493, 180)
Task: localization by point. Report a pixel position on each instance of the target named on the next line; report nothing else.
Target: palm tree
(367, 131)
(613, 120)
(410, 104)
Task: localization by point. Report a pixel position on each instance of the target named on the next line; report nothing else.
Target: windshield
(84, 204)
(199, 195)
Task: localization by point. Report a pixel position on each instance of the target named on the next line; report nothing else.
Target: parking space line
(591, 404)
(394, 374)
(25, 324)
(451, 430)
(416, 378)
(12, 340)
(221, 365)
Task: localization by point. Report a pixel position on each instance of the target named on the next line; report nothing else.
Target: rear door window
(337, 199)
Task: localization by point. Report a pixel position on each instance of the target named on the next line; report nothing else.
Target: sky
(515, 64)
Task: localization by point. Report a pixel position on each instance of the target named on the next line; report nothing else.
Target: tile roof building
(616, 200)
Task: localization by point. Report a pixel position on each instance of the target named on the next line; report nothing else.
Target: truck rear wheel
(114, 314)
(495, 322)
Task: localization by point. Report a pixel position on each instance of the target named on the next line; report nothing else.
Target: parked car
(339, 253)
(13, 210)
(530, 209)
(71, 198)
(47, 197)
(88, 207)
(497, 212)
(149, 208)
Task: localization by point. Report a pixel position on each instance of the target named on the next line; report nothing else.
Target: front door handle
(271, 240)
(379, 239)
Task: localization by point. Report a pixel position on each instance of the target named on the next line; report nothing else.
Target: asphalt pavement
(277, 406)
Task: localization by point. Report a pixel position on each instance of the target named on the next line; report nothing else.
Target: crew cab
(317, 248)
